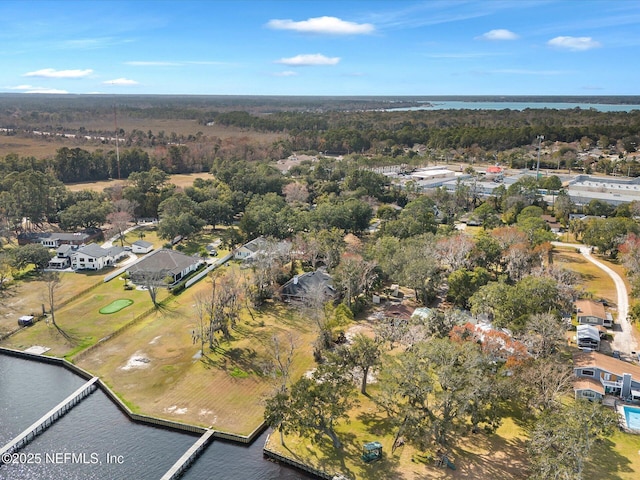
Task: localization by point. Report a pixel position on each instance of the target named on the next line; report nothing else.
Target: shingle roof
(590, 308)
(605, 362)
(256, 244)
(142, 243)
(305, 284)
(164, 260)
(588, 384)
(93, 250)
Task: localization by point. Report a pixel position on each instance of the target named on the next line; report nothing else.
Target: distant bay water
(469, 105)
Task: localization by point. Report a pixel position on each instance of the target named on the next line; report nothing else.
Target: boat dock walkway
(189, 456)
(49, 418)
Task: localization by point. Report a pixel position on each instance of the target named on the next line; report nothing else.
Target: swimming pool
(632, 416)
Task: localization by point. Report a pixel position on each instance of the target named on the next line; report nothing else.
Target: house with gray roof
(164, 267)
(308, 285)
(55, 239)
(94, 257)
(141, 246)
(250, 249)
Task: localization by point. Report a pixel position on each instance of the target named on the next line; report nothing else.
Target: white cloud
(48, 90)
(323, 25)
(286, 73)
(32, 89)
(308, 60)
(52, 73)
(575, 44)
(120, 81)
(498, 34)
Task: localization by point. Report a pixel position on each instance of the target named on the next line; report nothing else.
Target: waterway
(95, 440)
(461, 105)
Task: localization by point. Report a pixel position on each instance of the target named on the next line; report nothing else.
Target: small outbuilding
(26, 320)
(141, 246)
(371, 452)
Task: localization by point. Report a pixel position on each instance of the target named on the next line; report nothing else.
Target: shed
(25, 320)
(371, 451)
(141, 246)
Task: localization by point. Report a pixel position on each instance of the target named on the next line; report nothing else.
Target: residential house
(55, 239)
(593, 313)
(94, 257)
(555, 226)
(250, 249)
(163, 267)
(140, 246)
(598, 375)
(588, 337)
(62, 259)
(307, 286)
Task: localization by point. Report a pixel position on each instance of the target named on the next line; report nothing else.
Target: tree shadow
(504, 458)
(245, 359)
(605, 462)
(377, 424)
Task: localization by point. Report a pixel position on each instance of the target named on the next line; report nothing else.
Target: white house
(140, 246)
(62, 259)
(94, 257)
(250, 249)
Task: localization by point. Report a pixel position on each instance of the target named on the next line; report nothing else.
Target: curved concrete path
(623, 340)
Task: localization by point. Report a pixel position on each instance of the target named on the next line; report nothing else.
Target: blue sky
(511, 47)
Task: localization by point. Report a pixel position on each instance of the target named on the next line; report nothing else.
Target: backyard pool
(632, 416)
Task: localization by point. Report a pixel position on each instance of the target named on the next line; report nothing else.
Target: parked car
(616, 354)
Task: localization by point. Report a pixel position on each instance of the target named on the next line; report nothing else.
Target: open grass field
(27, 296)
(479, 456)
(82, 320)
(146, 233)
(180, 180)
(156, 368)
(591, 279)
(46, 146)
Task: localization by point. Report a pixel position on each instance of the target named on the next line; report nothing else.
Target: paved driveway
(622, 340)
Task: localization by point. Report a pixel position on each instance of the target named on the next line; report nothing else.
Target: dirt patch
(137, 360)
(179, 180)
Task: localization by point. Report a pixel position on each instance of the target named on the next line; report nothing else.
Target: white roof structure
(587, 332)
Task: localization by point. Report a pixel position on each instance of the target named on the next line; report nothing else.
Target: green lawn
(225, 390)
(116, 306)
(82, 321)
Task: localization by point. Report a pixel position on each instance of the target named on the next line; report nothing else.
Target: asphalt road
(623, 340)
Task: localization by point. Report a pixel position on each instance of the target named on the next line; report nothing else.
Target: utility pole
(540, 138)
(115, 121)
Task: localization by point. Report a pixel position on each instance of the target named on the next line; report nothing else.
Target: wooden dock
(49, 418)
(189, 456)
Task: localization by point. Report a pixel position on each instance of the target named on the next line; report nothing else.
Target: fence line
(114, 334)
(78, 295)
(200, 275)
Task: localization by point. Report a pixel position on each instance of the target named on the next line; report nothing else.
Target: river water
(95, 440)
(469, 105)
